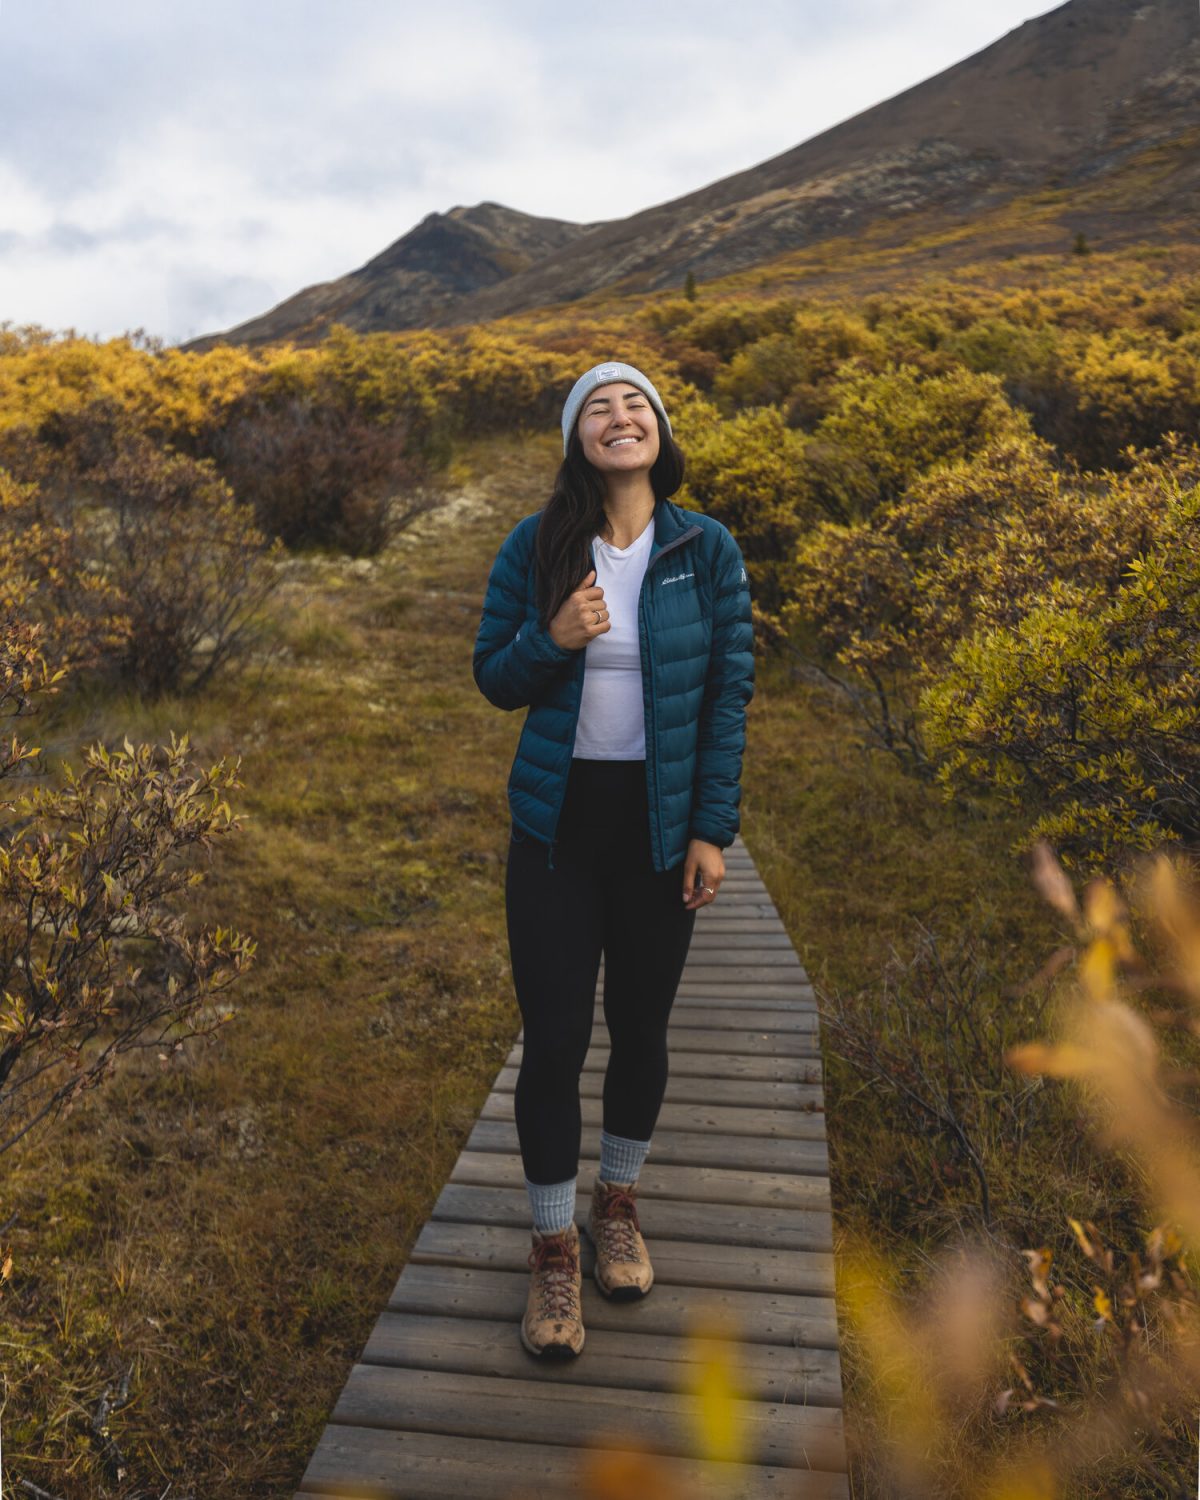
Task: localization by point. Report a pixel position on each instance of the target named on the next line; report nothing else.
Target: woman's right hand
(582, 617)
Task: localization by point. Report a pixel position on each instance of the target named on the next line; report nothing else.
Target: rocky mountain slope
(1098, 99)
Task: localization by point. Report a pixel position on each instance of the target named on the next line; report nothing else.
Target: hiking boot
(553, 1321)
(623, 1269)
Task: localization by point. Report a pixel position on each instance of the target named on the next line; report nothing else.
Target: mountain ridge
(1065, 100)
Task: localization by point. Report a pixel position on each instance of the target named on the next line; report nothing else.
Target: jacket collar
(670, 523)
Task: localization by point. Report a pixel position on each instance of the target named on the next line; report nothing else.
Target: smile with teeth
(616, 442)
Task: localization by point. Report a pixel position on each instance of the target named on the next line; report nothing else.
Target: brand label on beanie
(607, 372)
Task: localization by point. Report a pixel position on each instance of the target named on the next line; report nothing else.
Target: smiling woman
(622, 621)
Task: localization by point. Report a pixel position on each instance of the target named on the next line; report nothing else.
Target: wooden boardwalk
(734, 1205)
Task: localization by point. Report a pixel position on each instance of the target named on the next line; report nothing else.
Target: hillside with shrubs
(970, 512)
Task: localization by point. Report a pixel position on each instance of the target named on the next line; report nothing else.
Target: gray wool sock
(553, 1205)
(620, 1158)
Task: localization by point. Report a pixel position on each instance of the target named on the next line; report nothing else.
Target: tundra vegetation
(970, 509)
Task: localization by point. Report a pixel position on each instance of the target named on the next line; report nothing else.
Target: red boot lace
(616, 1218)
(555, 1264)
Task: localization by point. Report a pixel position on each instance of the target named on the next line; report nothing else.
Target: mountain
(1089, 115)
(420, 277)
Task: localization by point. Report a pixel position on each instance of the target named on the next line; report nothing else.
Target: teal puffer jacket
(697, 645)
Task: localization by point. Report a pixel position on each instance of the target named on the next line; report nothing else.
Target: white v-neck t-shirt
(612, 722)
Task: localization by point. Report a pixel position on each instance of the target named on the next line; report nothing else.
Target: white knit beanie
(606, 375)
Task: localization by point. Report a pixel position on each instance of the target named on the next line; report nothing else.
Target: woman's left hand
(703, 872)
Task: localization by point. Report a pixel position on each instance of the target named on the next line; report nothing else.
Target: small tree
(192, 568)
(142, 564)
(689, 287)
(1081, 246)
(94, 956)
(320, 472)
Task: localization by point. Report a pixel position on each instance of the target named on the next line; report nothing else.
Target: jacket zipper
(652, 759)
(647, 654)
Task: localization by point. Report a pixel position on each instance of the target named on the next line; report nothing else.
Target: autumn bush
(142, 567)
(886, 428)
(749, 473)
(1087, 710)
(1019, 624)
(1109, 391)
(173, 568)
(314, 473)
(47, 573)
(972, 544)
(722, 327)
(498, 384)
(96, 958)
(169, 394)
(794, 370)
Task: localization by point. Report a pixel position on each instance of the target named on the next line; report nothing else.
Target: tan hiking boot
(553, 1321)
(623, 1269)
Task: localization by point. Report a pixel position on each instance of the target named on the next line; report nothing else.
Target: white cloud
(183, 167)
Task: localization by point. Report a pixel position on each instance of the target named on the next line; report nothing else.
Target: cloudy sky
(180, 165)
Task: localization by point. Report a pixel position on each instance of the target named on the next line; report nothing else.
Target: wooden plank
(694, 1185)
(713, 920)
(731, 901)
(734, 1225)
(362, 1463)
(696, 1037)
(729, 967)
(615, 1357)
(726, 1015)
(748, 881)
(689, 1064)
(749, 893)
(787, 1123)
(723, 953)
(746, 982)
(753, 940)
(750, 1016)
(739, 1000)
(683, 1148)
(518, 1411)
(476, 1291)
(785, 1023)
(676, 1263)
(682, 1088)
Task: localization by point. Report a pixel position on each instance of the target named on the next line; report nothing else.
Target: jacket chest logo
(676, 578)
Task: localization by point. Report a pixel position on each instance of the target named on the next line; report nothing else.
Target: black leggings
(602, 894)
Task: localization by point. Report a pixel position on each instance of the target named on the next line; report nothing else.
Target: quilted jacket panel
(697, 644)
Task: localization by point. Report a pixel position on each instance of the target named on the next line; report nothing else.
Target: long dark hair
(574, 514)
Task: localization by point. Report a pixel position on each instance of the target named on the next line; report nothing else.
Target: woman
(623, 622)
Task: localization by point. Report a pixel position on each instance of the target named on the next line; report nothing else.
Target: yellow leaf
(1084, 1243)
(1063, 1061)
